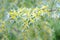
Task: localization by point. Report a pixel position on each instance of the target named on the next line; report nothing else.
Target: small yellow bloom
(13, 14)
(39, 13)
(32, 20)
(34, 14)
(13, 17)
(44, 7)
(3, 24)
(28, 14)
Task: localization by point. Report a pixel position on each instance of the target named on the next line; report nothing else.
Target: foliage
(29, 19)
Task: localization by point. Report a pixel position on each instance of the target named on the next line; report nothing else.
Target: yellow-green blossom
(13, 14)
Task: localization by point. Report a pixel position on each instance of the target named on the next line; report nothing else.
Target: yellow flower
(13, 17)
(3, 24)
(32, 20)
(13, 14)
(39, 12)
(44, 7)
(34, 14)
(10, 12)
